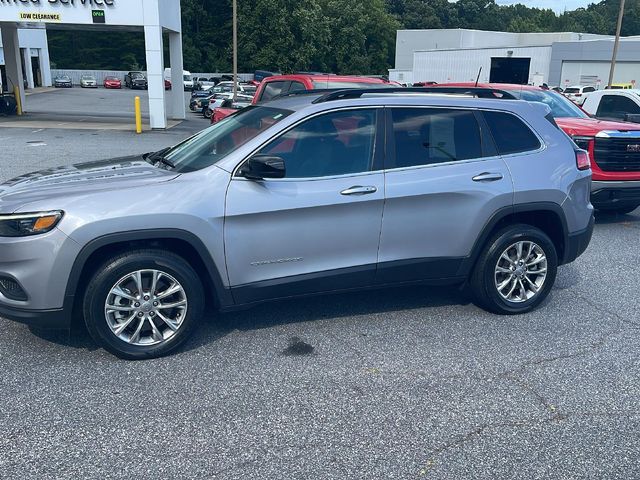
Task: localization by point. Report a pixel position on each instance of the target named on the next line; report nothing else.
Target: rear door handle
(359, 190)
(487, 177)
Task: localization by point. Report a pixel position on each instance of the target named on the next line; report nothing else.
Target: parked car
(8, 105)
(135, 80)
(88, 81)
(614, 147)
(620, 105)
(198, 104)
(112, 82)
(62, 81)
(167, 84)
(557, 89)
(277, 85)
(218, 98)
(578, 93)
(187, 80)
(620, 86)
(227, 107)
(300, 196)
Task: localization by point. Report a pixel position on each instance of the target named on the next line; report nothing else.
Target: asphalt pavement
(392, 384)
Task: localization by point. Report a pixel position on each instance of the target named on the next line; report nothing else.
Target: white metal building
(457, 55)
(154, 17)
(34, 55)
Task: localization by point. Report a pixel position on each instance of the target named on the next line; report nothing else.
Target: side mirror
(632, 117)
(262, 166)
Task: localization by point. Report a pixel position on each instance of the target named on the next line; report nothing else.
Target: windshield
(560, 106)
(571, 90)
(137, 75)
(216, 142)
(187, 78)
(320, 84)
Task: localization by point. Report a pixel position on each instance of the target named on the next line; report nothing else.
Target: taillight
(583, 156)
(577, 94)
(583, 162)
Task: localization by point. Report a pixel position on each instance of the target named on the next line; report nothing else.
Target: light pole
(235, 50)
(615, 44)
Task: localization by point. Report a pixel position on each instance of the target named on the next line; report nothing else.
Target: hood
(79, 179)
(591, 126)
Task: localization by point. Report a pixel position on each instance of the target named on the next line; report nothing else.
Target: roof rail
(478, 92)
(315, 91)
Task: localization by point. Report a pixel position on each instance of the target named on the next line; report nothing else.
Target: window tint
(588, 89)
(295, 86)
(336, 143)
(425, 136)
(616, 106)
(271, 89)
(510, 133)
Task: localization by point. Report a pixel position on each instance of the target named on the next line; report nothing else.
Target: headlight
(24, 224)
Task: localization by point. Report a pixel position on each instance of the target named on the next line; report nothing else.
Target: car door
(443, 181)
(318, 228)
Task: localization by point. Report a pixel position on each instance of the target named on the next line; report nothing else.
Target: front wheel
(516, 271)
(143, 304)
(207, 113)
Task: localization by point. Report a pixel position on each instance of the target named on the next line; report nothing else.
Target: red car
(112, 82)
(614, 147)
(279, 84)
(167, 84)
(227, 108)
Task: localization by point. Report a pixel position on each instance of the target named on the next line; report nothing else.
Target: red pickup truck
(614, 147)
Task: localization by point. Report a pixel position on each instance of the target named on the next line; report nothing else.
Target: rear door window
(272, 89)
(510, 134)
(616, 106)
(426, 136)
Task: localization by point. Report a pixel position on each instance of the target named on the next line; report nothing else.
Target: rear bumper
(612, 194)
(578, 242)
(49, 319)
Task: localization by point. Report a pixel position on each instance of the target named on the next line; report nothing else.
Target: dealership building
(457, 55)
(23, 26)
(34, 59)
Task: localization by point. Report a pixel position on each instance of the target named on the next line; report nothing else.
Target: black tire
(482, 282)
(207, 113)
(118, 267)
(622, 210)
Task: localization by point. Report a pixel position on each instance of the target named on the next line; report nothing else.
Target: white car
(578, 93)
(187, 80)
(219, 98)
(612, 104)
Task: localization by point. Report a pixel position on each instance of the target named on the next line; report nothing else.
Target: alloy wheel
(146, 307)
(521, 271)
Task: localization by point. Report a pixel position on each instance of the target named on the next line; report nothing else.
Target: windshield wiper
(159, 157)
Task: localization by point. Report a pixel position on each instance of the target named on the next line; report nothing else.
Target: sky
(557, 5)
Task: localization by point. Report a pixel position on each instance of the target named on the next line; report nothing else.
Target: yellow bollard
(16, 93)
(138, 116)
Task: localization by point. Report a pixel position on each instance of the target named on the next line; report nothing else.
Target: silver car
(88, 81)
(305, 194)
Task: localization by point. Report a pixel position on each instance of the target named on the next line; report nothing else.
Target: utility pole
(615, 44)
(235, 50)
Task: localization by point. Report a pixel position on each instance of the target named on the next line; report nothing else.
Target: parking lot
(401, 383)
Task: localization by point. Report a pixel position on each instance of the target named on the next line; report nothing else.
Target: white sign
(77, 12)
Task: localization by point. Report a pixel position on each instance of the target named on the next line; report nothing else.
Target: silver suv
(305, 194)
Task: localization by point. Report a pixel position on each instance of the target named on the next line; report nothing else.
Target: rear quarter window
(510, 134)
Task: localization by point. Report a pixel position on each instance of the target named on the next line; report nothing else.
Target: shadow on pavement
(283, 312)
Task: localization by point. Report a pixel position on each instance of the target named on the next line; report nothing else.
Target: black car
(136, 80)
(62, 81)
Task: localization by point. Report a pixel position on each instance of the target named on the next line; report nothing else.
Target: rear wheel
(516, 271)
(207, 113)
(143, 304)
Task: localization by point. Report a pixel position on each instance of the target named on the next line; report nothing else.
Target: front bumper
(41, 266)
(614, 194)
(49, 319)
(578, 242)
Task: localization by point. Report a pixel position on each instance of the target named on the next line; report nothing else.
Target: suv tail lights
(584, 156)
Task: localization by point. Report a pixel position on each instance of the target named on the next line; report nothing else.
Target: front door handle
(487, 177)
(359, 190)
